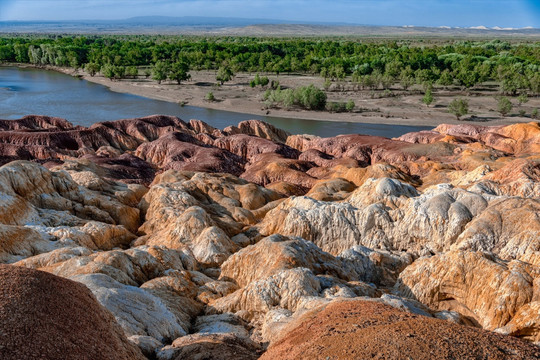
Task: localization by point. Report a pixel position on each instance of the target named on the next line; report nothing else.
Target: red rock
(248, 146)
(260, 129)
(180, 151)
(36, 122)
(43, 316)
(370, 330)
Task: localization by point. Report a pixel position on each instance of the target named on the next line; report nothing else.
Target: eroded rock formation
(200, 240)
(47, 317)
(369, 330)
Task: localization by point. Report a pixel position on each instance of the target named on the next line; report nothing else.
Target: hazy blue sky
(504, 13)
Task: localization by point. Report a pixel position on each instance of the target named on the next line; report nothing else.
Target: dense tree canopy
(373, 64)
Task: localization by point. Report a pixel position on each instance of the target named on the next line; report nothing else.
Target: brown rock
(249, 146)
(47, 317)
(275, 253)
(210, 346)
(268, 168)
(181, 151)
(361, 330)
(260, 129)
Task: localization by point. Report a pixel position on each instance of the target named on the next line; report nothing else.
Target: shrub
(336, 107)
(504, 106)
(311, 97)
(274, 84)
(224, 74)
(350, 106)
(160, 70)
(264, 81)
(108, 71)
(458, 107)
(428, 97)
(307, 97)
(92, 68)
(179, 71)
(327, 84)
(534, 114)
(132, 71)
(522, 99)
(210, 96)
(119, 72)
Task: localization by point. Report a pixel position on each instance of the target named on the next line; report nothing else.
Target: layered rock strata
(198, 240)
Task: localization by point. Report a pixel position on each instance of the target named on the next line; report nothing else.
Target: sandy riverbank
(238, 96)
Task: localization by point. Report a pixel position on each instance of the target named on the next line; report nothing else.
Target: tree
(467, 78)
(504, 105)
(406, 81)
(7, 53)
(310, 97)
(387, 81)
(132, 71)
(108, 71)
(179, 71)
(428, 97)
(160, 70)
(337, 72)
(21, 53)
(446, 78)
(523, 99)
(92, 68)
(119, 72)
(34, 54)
(224, 74)
(458, 107)
(534, 114)
(324, 73)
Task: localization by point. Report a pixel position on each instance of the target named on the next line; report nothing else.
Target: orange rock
(362, 330)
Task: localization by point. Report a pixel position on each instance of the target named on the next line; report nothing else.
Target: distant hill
(240, 26)
(209, 21)
(367, 30)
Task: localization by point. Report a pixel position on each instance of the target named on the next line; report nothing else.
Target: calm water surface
(42, 92)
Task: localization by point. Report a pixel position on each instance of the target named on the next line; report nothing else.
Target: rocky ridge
(200, 240)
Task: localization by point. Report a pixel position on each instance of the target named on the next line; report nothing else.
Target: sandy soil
(367, 330)
(405, 108)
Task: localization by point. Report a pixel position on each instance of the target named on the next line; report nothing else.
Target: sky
(454, 13)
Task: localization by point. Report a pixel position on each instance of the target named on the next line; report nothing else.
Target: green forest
(370, 64)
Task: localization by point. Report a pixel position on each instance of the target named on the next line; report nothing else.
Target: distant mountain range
(242, 26)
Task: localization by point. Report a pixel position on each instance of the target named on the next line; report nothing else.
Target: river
(25, 91)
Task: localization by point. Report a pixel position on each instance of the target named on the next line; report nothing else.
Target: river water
(41, 92)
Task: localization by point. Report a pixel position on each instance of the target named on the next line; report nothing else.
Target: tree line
(370, 64)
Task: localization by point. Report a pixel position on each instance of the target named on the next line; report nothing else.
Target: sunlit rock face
(487, 290)
(198, 240)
